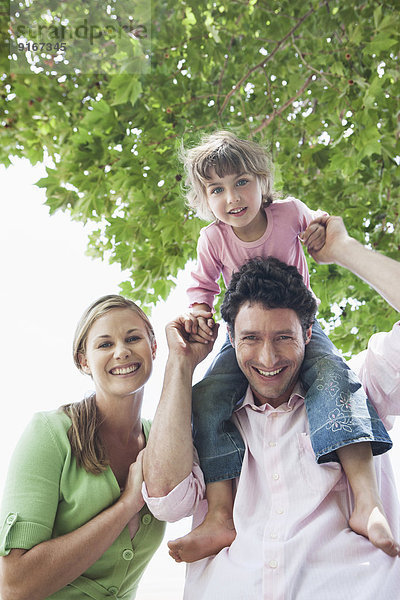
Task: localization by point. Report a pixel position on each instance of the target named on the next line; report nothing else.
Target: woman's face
(119, 354)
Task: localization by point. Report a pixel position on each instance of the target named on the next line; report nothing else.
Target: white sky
(46, 283)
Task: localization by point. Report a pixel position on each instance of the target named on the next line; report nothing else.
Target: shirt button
(274, 415)
(146, 519)
(273, 536)
(275, 476)
(273, 564)
(280, 511)
(272, 444)
(127, 555)
(113, 590)
(11, 519)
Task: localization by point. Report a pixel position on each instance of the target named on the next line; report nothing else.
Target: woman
(73, 523)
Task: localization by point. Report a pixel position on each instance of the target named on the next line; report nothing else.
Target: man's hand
(182, 344)
(336, 239)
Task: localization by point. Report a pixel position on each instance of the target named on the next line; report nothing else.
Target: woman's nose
(121, 350)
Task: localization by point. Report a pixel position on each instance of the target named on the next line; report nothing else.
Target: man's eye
(250, 338)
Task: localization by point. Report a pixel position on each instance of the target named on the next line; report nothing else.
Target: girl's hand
(199, 325)
(315, 234)
(132, 493)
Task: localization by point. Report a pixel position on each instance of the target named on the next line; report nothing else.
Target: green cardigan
(46, 495)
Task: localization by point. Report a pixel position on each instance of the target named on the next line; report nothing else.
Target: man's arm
(168, 458)
(379, 271)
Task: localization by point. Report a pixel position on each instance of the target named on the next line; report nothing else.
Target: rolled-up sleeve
(182, 501)
(378, 369)
(31, 493)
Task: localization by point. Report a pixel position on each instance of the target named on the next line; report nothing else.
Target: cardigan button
(146, 519)
(113, 590)
(127, 555)
(11, 519)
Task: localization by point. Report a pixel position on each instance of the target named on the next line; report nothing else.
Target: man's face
(269, 347)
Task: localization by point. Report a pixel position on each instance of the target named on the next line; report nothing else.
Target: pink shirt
(291, 514)
(219, 250)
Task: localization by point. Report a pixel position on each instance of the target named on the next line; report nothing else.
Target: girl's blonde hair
(224, 152)
(83, 434)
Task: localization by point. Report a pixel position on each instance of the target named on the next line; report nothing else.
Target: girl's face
(236, 200)
(119, 354)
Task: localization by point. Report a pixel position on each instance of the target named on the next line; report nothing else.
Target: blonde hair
(224, 152)
(83, 434)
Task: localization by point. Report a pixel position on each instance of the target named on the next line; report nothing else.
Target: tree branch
(265, 60)
(265, 122)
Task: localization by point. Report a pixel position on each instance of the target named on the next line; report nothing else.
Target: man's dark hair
(273, 284)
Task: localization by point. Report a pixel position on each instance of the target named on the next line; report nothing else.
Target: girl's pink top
(219, 250)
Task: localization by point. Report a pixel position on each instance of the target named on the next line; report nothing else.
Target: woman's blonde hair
(224, 152)
(83, 434)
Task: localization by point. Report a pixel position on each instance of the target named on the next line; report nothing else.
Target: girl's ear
(84, 364)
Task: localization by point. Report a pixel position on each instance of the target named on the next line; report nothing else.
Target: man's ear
(231, 336)
(84, 364)
(308, 334)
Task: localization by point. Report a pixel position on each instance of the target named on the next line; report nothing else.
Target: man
(291, 515)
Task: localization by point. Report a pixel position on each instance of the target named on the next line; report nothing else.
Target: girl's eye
(216, 190)
(242, 182)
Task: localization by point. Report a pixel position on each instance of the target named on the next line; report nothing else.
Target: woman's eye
(133, 338)
(105, 345)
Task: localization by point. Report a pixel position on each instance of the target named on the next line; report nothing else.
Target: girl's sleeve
(31, 494)
(306, 215)
(208, 269)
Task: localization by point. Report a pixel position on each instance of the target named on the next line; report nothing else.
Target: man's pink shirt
(291, 514)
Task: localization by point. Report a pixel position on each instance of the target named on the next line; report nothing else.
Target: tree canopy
(316, 82)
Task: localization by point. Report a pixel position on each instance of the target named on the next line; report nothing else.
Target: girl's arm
(49, 566)
(379, 271)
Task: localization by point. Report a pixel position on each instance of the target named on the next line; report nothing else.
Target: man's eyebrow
(258, 331)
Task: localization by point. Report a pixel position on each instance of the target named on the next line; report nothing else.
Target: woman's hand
(132, 493)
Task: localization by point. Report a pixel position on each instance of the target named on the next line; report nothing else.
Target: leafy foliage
(316, 82)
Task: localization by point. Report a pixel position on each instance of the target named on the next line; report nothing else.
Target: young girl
(230, 180)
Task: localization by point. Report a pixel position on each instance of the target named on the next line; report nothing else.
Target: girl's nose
(232, 196)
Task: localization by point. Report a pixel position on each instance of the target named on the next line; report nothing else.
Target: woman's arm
(379, 271)
(169, 451)
(49, 566)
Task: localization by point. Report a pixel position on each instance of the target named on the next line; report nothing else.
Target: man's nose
(268, 355)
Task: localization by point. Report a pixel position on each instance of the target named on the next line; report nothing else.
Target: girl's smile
(236, 200)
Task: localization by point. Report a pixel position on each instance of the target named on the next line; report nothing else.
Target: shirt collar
(296, 398)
